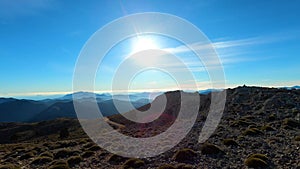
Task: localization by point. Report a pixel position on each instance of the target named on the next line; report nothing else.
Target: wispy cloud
(225, 44)
(231, 51)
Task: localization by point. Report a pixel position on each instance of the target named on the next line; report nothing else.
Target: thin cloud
(224, 44)
(230, 51)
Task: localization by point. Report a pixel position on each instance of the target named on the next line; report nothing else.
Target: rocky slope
(260, 128)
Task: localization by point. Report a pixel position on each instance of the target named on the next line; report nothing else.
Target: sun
(143, 43)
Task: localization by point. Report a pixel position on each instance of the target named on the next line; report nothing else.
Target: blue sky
(258, 42)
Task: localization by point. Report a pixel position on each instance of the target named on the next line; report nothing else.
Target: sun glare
(143, 43)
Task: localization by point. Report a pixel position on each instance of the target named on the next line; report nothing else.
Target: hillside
(260, 128)
(22, 110)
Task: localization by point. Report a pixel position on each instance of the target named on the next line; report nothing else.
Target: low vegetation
(185, 155)
(64, 153)
(60, 164)
(9, 166)
(166, 166)
(94, 148)
(184, 166)
(252, 132)
(230, 142)
(47, 154)
(41, 160)
(291, 123)
(133, 163)
(27, 156)
(257, 161)
(267, 128)
(74, 160)
(87, 154)
(116, 159)
(210, 149)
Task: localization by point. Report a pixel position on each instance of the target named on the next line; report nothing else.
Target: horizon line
(60, 93)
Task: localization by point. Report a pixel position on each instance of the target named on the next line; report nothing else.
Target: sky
(258, 42)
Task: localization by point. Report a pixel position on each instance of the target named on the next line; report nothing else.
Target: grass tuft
(41, 160)
(257, 161)
(133, 163)
(72, 161)
(184, 155)
(230, 142)
(210, 149)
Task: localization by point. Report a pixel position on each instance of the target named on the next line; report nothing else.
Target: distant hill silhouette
(3, 100)
(66, 109)
(15, 110)
(20, 110)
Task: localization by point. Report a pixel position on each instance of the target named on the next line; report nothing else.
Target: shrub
(67, 144)
(60, 162)
(87, 154)
(65, 153)
(52, 145)
(74, 160)
(59, 165)
(116, 159)
(210, 149)
(260, 156)
(184, 155)
(19, 148)
(252, 132)
(257, 161)
(291, 123)
(41, 160)
(230, 142)
(242, 123)
(272, 117)
(83, 141)
(94, 148)
(26, 156)
(9, 166)
(166, 166)
(64, 133)
(88, 145)
(267, 128)
(39, 149)
(47, 154)
(184, 166)
(133, 163)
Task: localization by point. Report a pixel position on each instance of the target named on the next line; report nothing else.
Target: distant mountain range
(207, 91)
(293, 87)
(23, 110)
